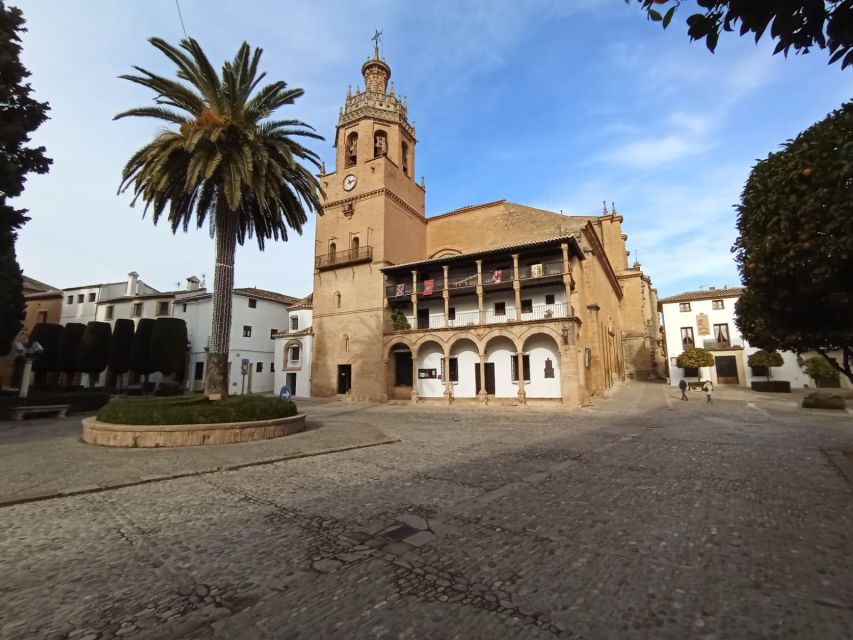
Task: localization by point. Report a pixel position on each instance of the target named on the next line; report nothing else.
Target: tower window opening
(333, 248)
(405, 150)
(355, 243)
(351, 150)
(380, 144)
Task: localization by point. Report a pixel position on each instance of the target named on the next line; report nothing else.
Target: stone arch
(542, 351)
(399, 383)
(465, 350)
(398, 342)
(380, 143)
(498, 332)
(429, 359)
(287, 346)
(430, 338)
(529, 331)
(351, 150)
(469, 337)
(354, 243)
(499, 351)
(445, 251)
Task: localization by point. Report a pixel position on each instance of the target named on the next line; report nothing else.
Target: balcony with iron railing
(342, 258)
(462, 319)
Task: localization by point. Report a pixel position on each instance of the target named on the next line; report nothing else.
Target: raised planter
(816, 401)
(187, 435)
(771, 386)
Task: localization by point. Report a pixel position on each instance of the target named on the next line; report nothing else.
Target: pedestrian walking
(683, 386)
(708, 388)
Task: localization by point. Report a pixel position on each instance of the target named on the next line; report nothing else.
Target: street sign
(244, 369)
(285, 393)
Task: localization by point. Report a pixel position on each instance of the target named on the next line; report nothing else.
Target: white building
(257, 316)
(706, 319)
(80, 304)
(293, 350)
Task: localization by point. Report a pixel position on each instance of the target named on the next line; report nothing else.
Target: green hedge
(820, 401)
(771, 386)
(194, 409)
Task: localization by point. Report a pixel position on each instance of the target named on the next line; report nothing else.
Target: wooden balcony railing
(341, 258)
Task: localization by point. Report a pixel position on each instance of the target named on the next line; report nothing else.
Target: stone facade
(492, 302)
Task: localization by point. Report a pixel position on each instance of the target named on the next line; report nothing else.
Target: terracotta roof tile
(263, 294)
(704, 294)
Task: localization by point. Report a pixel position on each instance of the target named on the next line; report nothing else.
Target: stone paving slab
(44, 458)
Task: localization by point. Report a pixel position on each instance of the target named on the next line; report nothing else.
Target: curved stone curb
(187, 435)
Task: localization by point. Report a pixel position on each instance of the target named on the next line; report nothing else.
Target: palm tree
(226, 163)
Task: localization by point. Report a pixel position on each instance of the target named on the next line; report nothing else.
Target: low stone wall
(187, 435)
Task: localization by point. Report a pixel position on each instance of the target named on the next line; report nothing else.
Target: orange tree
(795, 244)
(800, 25)
(226, 162)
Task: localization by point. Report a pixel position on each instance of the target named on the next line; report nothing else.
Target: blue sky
(553, 104)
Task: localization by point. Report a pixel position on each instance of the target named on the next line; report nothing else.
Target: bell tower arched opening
(380, 144)
(351, 150)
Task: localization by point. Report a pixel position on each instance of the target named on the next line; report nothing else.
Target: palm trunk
(223, 284)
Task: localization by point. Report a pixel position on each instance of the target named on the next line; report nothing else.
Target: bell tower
(373, 216)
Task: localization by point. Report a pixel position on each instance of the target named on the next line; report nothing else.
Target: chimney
(193, 283)
(712, 288)
(132, 283)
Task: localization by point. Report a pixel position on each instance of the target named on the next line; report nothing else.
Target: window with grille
(687, 337)
(247, 331)
(684, 306)
(721, 333)
(717, 304)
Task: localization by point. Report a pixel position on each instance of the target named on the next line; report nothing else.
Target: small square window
(717, 304)
(272, 333)
(92, 297)
(252, 303)
(108, 314)
(684, 306)
(137, 310)
(294, 323)
(500, 308)
(80, 297)
(70, 300)
(162, 308)
(549, 298)
(184, 308)
(527, 306)
(294, 354)
(259, 367)
(247, 331)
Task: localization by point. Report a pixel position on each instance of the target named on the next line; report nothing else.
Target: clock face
(349, 182)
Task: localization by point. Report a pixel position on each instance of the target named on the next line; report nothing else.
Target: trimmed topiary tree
(695, 358)
(48, 336)
(140, 348)
(169, 346)
(821, 372)
(66, 357)
(766, 359)
(93, 351)
(120, 344)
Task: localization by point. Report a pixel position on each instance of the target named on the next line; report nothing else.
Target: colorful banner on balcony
(536, 270)
(498, 275)
(429, 287)
(401, 290)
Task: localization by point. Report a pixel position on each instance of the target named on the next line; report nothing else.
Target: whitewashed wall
(430, 357)
(500, 351)
(540, 348)
(467, 360)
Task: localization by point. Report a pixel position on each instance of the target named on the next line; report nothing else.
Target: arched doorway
(542, 357)
(399, 373)
(464, 368)
(430, 384)
(500, 352)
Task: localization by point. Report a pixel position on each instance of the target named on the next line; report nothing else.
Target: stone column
(448, 385)
(481, 392)
(24, 389)
(522, 394)
(482, 319)
(446, 295)
(567, 278)
(415, 299)
(516, 286)
(414, 377)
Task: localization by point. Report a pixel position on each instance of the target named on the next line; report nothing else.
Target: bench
(18, 413)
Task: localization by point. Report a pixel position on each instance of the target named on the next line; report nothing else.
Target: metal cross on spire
(377, 38)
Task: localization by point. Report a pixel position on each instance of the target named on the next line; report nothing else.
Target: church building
(493, 303)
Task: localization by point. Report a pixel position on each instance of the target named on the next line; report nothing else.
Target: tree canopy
(800, 25)
(795, 245)
(66, 359)
(119, 358)
(20, 115)
(169, 346)
(819, 369)
(694, 358)
(765, 359)
(225, 162)
(140, 349)
(94, 349)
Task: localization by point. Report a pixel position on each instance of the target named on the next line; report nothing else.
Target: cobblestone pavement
(43, 458)
(641, 517)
